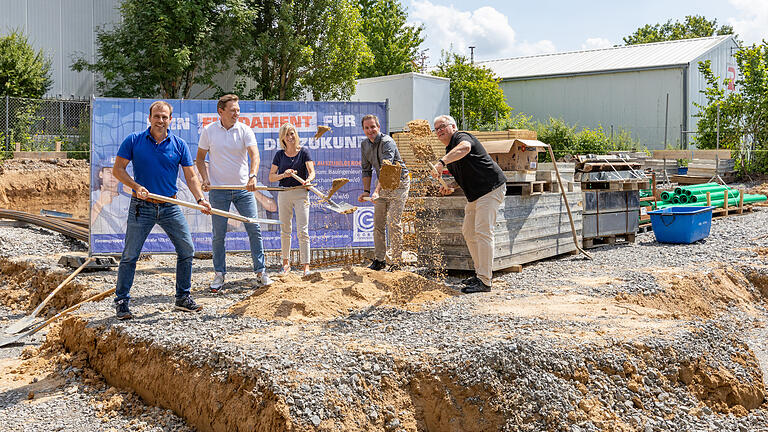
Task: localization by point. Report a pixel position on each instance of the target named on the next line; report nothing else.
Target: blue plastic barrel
(681, 224)
(682, 170)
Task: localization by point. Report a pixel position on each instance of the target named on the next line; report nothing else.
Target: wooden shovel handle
(61, 285)
(217, 212)
(439, 175)
(311, 188)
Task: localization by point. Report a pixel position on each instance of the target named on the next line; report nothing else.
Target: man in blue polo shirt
(156, 155)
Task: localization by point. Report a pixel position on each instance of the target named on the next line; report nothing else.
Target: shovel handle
(217, 212)
(61, 285)
(245, 187)
(95, 297)
(311, 188)
(439, 176)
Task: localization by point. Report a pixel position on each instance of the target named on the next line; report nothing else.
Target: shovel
(341, 208)
(13, 339)
(28, 320)
(266, 188)
(217, 212)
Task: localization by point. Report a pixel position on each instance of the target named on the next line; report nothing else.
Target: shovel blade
(20, 325)
(335, 186)
(343, 208)
(12, 340)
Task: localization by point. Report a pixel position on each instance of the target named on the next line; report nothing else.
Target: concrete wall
(411, 96)
(631, 100)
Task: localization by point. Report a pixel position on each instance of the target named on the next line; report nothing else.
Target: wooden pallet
(646, 227)
(731, 210)
(608, 240)
(525, 188)
(555, 186)
(692, 180)
(616, 185)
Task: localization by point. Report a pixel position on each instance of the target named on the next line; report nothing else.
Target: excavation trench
(424, 392)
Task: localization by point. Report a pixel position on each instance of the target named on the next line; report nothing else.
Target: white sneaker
(263, 280)
(218, 282)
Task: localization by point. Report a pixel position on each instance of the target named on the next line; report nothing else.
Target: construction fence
(39, 124)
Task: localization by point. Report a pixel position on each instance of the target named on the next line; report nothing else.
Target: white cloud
(596, 43)
(751, 24)
(485, 28)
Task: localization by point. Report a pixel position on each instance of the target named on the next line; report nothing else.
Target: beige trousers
(288, 202)
(387, 213)
(479, 221)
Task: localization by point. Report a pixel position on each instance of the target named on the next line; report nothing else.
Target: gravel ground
(526, 368)
(68, 403)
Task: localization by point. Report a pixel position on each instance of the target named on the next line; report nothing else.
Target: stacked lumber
(704, 167)
(528, 228)
(661, 166)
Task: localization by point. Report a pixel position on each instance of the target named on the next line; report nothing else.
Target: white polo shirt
(227, 152)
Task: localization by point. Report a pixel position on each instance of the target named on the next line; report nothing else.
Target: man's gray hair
(445, 119)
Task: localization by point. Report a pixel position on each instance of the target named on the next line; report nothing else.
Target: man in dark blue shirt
(156, 155)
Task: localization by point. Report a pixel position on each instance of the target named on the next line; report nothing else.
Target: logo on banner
(363, 225)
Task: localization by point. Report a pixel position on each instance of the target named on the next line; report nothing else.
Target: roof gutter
(601, 72)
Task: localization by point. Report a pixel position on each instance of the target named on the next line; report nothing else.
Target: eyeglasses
(441, 127)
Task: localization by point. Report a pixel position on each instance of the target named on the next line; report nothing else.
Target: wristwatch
(200, 199)
(250, 176)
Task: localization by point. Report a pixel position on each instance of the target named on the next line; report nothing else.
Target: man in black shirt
(484, 185)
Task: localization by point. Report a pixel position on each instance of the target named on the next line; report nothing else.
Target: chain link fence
(38, 124)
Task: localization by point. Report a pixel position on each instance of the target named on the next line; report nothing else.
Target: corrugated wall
(721, 58)
(630, 100)
(62, 29)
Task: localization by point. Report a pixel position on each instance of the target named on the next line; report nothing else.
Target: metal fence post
(7, 126)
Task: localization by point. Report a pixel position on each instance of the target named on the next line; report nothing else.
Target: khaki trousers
(288, 202)
(479, 221)
(387, 212)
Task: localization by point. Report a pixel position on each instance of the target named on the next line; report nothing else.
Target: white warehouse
(648, 89)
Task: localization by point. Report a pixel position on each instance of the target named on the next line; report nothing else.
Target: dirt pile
(25, 287)
(334, 293)
(56, 184)
(703, 294)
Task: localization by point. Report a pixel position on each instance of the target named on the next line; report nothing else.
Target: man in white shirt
(233, 160)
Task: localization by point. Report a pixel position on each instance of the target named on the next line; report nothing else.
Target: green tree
(694, 26)
(743, 115)
(302, 47)
(483, 99)
(23, 72)
(164, 47)
(394, 44)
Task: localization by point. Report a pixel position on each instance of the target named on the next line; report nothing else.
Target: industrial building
(649, 89)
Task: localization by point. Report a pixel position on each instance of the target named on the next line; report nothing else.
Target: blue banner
(336, 154)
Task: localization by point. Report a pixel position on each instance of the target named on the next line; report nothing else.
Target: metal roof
(620, 58)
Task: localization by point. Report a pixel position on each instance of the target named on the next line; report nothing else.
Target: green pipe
(748, 198)
(714, 195)
(666, 196)
(683, 199)
(676, 199)
(679, 190)
(707, 189)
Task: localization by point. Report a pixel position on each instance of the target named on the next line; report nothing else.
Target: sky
(513, 28)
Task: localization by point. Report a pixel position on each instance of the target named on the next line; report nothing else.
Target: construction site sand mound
(697, 294)
(327, 295)
(56, 184)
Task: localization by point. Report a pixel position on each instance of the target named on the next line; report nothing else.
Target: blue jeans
(245, 204)
(142, 217)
